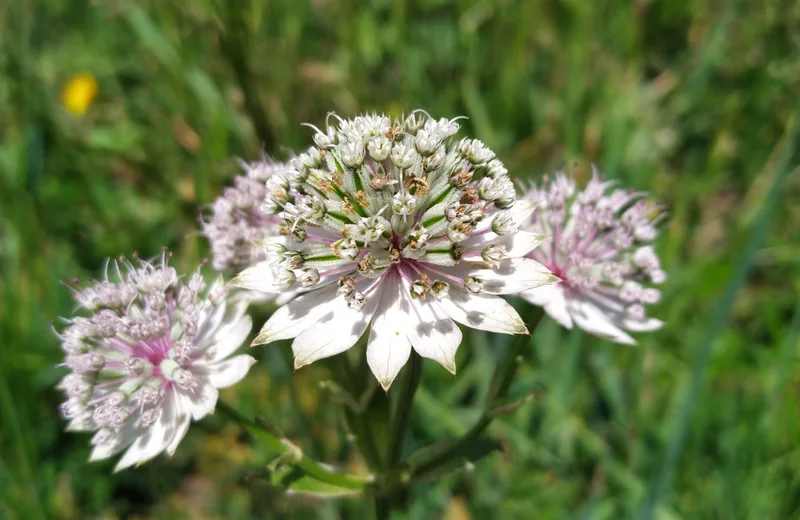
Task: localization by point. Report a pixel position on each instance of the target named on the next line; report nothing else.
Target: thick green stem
(295, 455)
(402, 413)
(356, 422)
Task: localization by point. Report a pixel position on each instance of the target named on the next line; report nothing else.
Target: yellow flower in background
(78, 93)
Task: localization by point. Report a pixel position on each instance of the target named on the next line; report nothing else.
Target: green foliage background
(693, 101)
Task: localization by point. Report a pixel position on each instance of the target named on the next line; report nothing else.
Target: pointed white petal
(644, 325)
(551, 298)
(484, 312)
(257, 277)
(285, 297)
(213, 316)
(517, 244)
(557, 309)
(513, 276)
(591, 319)
(298, 315)
(388, 348)
(122, 440)
(521, 243)
(225, 373)
(541, 296)
(154, 439)
(228, 339)
(522, 211)
(335, 331)
(202, 400)
(183, 419)
(435, 336)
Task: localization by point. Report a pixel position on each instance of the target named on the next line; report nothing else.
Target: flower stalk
(294, 454)
(402, 413)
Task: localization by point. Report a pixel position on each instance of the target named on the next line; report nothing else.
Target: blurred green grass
(691, 101)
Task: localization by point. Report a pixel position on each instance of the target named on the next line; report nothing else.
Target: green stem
(501, 382)
(305, 424)
(507, 368)
(285, 447)
(402, 413)
(383, 508)
(355, 419)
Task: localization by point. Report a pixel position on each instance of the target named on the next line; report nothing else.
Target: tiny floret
(142, 371)
(240, 219)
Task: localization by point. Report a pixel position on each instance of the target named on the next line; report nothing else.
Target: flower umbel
(398, 227)
(237, 226)
(149, 358)
(600, 247)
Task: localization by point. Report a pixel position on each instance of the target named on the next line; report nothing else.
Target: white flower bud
(353, 154)
(426, 142)
(418, 289)
(379, 148)
(473, 284)
(478, 153)
(493, 254)
(458, 230)
(310, 159)
(435, 160)
(440, 289)
(650, 295)
(645, 233)
(284, 277)
(403, 156)
(355, 300)
(503, 223)
(630, 291)
(403, 204)
(658, 276)
(496, 169)
(137, 367)
(309, 276)
(345, 248)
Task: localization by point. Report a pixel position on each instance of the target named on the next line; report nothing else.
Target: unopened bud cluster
(237, 226)
(378, 193)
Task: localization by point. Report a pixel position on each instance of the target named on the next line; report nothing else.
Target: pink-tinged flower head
(398, 227)
(149, 358)
(600, 247)
(237, 226)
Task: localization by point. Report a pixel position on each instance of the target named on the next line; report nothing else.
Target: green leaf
(508, 408)
(445, 458)
(305, 485)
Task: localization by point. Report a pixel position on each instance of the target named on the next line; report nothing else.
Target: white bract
(149, 359)
(397, 227)
(237, 226)
(600, 247)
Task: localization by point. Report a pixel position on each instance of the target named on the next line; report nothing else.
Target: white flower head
(601, 249)
(408, 244)
(237, 223)
(149, 359)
